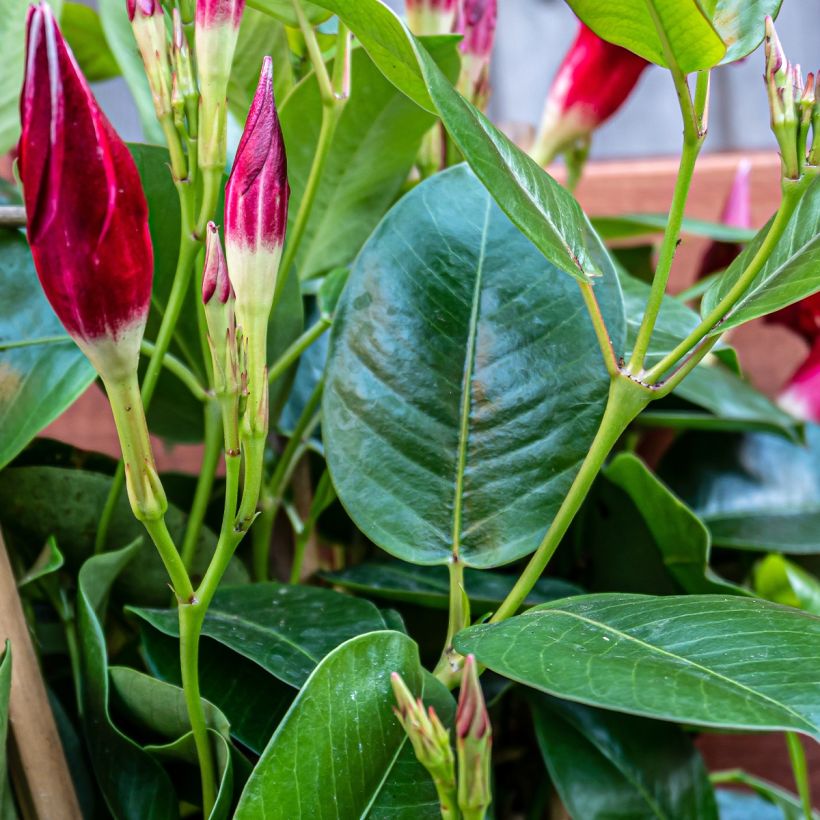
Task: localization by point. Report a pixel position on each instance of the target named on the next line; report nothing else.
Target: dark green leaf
(627, 226)
(430, 586)
(607, 766)
(784, 582)
(37, 502)
(133, 784)
(691, 41)
(708, 660)
(50, 560)
(373, 150)
(37, 382)
(81, 26)
(789, 274)
(339, 738)
(309, 623)
(740, 24)
(756, 491)
(465, 374)
(679, 535)
(544, 211)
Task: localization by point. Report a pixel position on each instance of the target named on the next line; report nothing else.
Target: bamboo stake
(39, 771)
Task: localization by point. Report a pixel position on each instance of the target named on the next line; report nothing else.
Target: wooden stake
(39, 771)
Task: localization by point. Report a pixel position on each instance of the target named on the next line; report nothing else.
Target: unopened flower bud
(426, 17)
(806, 112)
(431, 743)
(217, 29)
(784, 86)
(476, 21)
(473, 744)
(814, 154)
(592, 83)
(184, 73)
(148, 23)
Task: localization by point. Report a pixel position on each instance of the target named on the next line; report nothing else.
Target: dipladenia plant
(480, 403)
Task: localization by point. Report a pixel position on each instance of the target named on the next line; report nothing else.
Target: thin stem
(171, 559)
(788, 204)
(797, 756)
(666, 256)
(601, 331)
(190, 625)
(322, 497)
(173, 365)
(12, 216)
(40, 340)
(448, 668)
(273, 493)
(315, 54)
(626, 400)
(205, 481)
(296, 349)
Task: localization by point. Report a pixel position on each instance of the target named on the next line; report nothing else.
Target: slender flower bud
(476, 21)
(217, 29)
(801, 396)
(218, 298)
(814, 154)
(88, 231)
(256, 214)
(474, 736)
(184, 73)
(431, 16)
(784, 86)
(737, 213)
(592, 83)
(806, 112)
(148, 23)
(431, 743)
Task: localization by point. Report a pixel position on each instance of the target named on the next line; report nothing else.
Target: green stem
(448, 668)
(275, 490)
(297, 349)
(601, 331)
(626, 400)
(205, 481)
(173, 365)
(190, 625)
(40, 340)
(791, 196)
(171, 559)
(797, 756)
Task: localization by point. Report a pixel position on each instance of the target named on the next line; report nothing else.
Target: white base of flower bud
(115, 359)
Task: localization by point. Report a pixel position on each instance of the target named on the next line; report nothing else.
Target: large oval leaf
(740, 24)
(339, 741)
(791, 272)
(464, 382)
(691, 38)
(704, 659)
(37, 382)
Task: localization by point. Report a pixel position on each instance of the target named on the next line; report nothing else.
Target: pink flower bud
(148, 23)
(476, 21)
(473, 744)
(592, 83)
(214, 13)
(87, 215)
(801, 396)
(215, 280)
(431, 16)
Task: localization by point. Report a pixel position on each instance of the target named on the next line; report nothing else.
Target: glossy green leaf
(608, 766)
(740, 24)
(49, 561)
(642, 26)
(679, 535)
(283, 10)
(755, 492)
(132, 782)
(464, 373)
(81, 26)
(629, 226)
(373, 150)
(36, 502)
(707, 660)
(5, 691)
(544, 211)
(789, 274)
(339, 741)
(784, 582)
(120, 38)
(430, 586)
(37, 382)
(309, 623)
(767, 801)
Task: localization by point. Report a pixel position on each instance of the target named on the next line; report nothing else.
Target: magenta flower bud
(592, 83)
(473, 744)
(87, 215)
(431, 16)
(215, 280)
(476, 21)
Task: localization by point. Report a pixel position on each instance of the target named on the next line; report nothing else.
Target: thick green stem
(205, 481)
(191, 616)
(797, 756)
(448, 668)
(791, 196)
(626, 400)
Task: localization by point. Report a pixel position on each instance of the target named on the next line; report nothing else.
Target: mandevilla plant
(450, 478)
